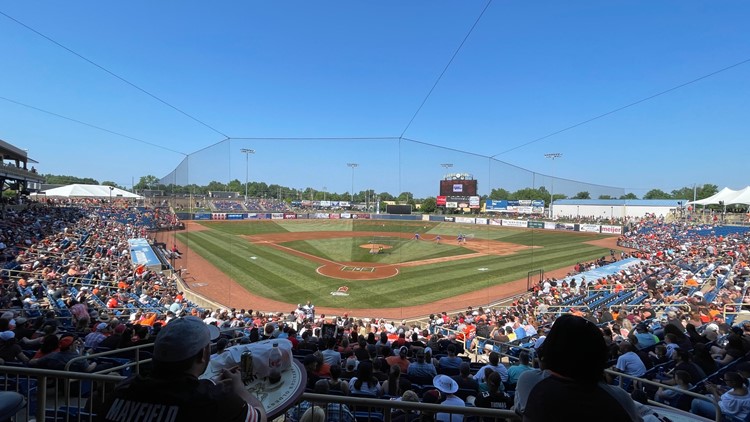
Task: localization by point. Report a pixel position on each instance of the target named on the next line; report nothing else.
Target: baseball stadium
(383, 211)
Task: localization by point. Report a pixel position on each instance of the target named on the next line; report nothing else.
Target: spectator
(464, 379)
(365, 382)
(421, 368)
(10, 351)
(181, 354)
(335, 383)
(573, 358)
(448, 387)
(734, 403)
(494, 365)
(334, 412)
(451, 361)
(515, 371)
(401, 360)
(70, 348)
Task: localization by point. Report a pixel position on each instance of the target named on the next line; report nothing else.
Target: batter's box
(358, 269)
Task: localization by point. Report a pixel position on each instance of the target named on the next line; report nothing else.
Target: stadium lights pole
(552, 156)
(247, 153)
(446, 166)
(353, 166)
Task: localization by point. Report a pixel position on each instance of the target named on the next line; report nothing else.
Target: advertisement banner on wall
(536, 224)
(334, 216)
(252, 216)
(235, 216)
(202, 216)
(277, 216)
(344, 204)
(612, 229)
(440, 201)
(480, 221)
(325, 204)
(451, 205)
(496, 222)
(451, 219)
(466, 220)
(290, 216)
(522, 206)
(362, 216)
(322, 215)
(346, 215)
(591, 228)
(515, 223)
(218, 216)
(565, 226)
(548, 225)
(474, 202)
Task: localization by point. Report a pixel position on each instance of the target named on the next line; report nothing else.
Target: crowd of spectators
(69, 286)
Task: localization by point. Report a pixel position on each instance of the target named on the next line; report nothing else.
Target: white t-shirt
(737, 406)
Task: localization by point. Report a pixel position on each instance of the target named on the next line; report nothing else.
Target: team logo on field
(342, 291)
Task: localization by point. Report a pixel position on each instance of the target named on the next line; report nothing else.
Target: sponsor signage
(592, 228)
(290, 216)
(450, 219)
(440, 201)
(344, 204)
(235, 216)
(474, 202)
(612, 229)
(277, 216)
(496, 222)
(549, 225)
(523, 206)
(202, 216)
(218, 216)
(515, 223)
(464, 220)
(451, 205)
(536, 224)
(480, 221)
(565, 226)
(334, 216)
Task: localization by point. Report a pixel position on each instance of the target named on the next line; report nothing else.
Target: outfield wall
(477, 221)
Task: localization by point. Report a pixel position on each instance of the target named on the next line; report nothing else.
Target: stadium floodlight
(247, 153)
(446, 166)
(353, 166)
(552, 156)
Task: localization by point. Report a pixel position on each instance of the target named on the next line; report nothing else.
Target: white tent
(90, 191)
(727, 196)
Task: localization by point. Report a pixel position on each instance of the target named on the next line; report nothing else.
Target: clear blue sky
(361, 69)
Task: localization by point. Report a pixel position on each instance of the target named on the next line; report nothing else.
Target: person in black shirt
(173, 391)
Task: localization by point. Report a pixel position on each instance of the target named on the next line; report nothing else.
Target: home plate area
(348, 268)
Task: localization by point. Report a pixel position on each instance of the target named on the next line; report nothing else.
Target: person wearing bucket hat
(448, 387)
(173, 391)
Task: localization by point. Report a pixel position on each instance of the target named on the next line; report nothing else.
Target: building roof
(624, 202)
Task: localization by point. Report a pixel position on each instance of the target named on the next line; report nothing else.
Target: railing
(641, 381)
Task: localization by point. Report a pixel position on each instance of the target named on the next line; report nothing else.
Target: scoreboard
(458, 188)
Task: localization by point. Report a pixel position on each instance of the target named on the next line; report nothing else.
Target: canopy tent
(727, 196)
(90, 191)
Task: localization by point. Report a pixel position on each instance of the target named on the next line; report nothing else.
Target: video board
(458, 188)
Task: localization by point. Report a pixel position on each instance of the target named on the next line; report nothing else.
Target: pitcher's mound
(375, 246)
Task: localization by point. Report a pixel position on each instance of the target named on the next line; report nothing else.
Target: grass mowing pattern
(284, 277)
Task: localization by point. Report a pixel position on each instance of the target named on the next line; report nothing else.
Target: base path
(204, 278)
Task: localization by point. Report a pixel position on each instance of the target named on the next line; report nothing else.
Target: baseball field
(374, 264)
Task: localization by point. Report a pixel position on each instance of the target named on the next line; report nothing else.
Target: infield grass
(285, 277)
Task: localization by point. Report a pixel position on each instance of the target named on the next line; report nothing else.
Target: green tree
(237, 186)
(147, 182)
(657, 194)
(700, 192)
(605, 197)
(68, 180)
(628, 196)
(499, 193)
(429, 205)
(582, 195)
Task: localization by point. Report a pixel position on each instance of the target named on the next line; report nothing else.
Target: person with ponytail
(570, 384)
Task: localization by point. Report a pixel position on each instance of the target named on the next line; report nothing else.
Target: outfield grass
(281, 276)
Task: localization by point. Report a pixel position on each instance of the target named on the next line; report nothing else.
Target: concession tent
(90, 191)
(727, 196)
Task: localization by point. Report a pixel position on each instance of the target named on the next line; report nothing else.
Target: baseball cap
(403, 350)
(183, 338)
